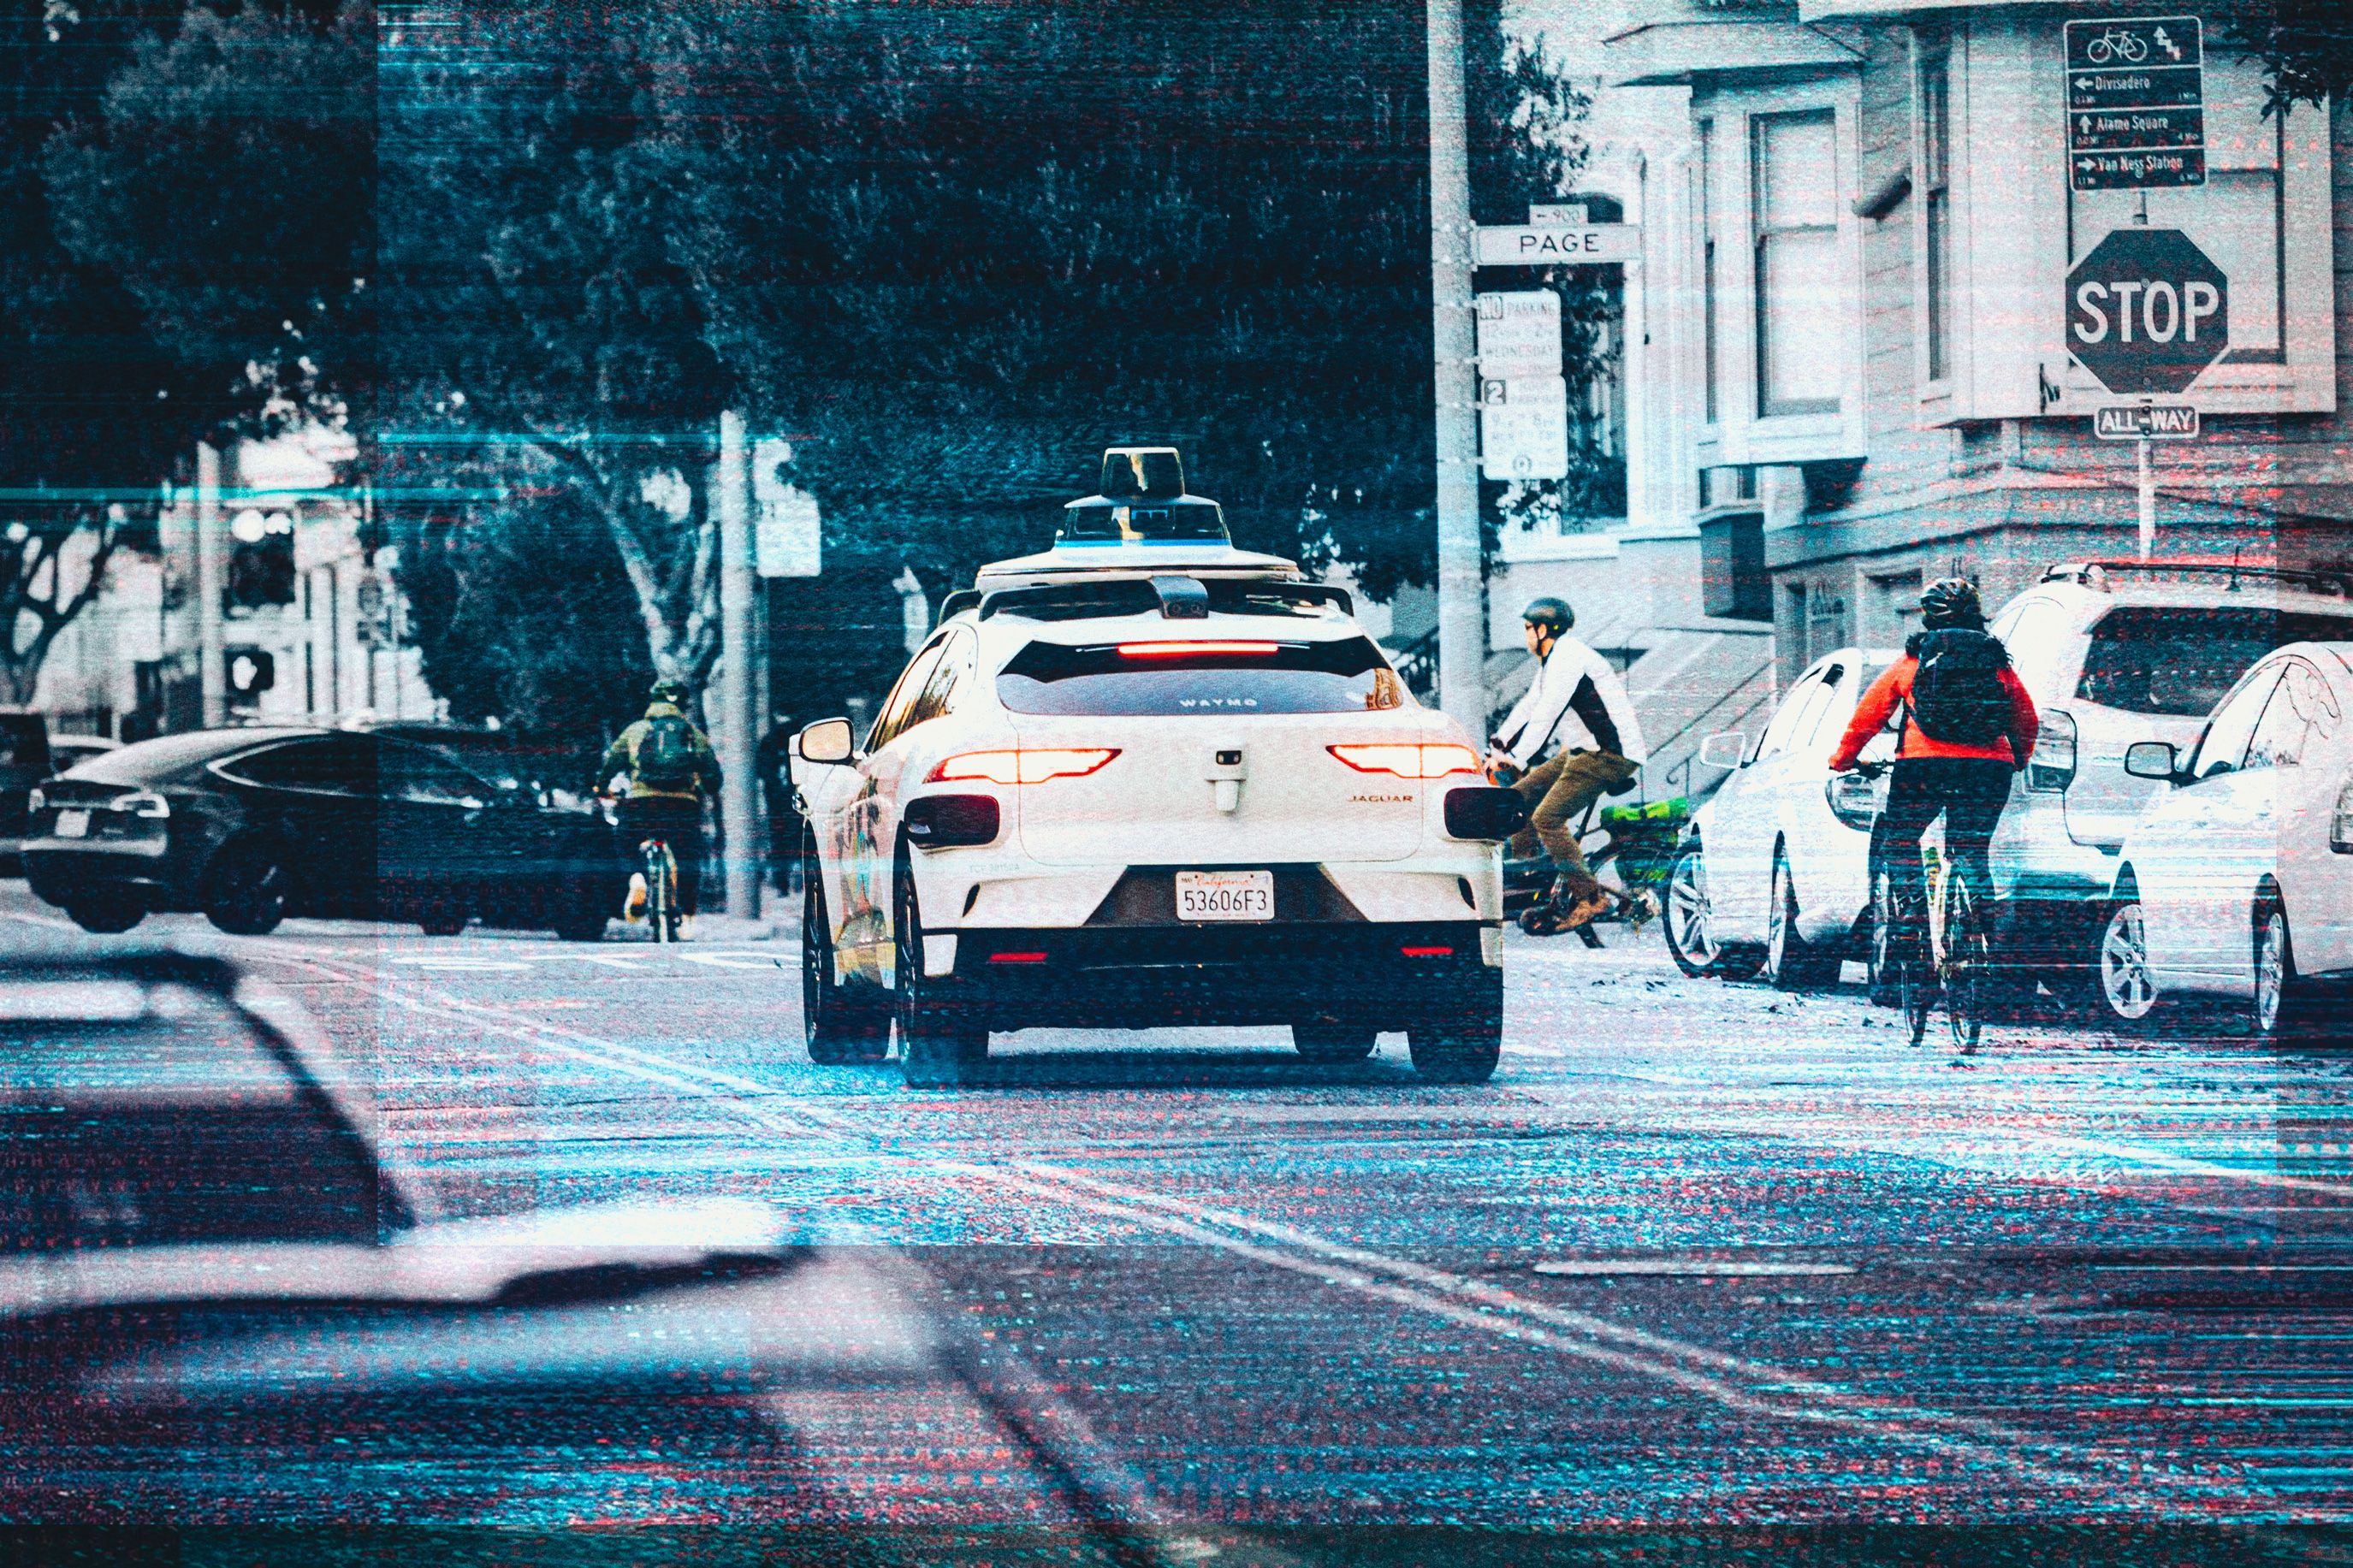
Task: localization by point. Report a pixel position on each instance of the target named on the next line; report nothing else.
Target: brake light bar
(1409, 759)
(1426, 951)
(1016, 958)
(1186, 649)
(1023, 766)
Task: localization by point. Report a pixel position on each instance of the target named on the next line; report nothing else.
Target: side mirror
(1723, 749)
(826, 740)
(2150, 759)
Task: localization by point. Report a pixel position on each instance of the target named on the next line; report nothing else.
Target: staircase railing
(1416, 664)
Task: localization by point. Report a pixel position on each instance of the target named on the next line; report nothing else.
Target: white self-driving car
(1146, 782)
(2237, 880)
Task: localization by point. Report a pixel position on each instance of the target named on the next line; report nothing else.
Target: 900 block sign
(1224, 895)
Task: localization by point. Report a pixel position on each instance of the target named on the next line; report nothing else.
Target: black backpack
(1956, 693)
(666, 754)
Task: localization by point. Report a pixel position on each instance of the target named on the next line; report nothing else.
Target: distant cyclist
(671, 767)
(1968, 725)
(1578, 702)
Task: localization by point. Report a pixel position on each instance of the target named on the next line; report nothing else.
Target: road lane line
(1469, 1302)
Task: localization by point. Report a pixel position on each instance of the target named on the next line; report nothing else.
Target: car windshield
(2181, 662)
(1146, 677)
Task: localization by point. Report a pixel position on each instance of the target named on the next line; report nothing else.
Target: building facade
(1857, 363)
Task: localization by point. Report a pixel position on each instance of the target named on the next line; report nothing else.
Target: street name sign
(1524, 428)
(1519, 333)
(2148, 311)
(1532, 245)
(2146, 422)
(2135, 103)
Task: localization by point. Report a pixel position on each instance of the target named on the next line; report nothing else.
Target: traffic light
(261, 559)
(252, 672)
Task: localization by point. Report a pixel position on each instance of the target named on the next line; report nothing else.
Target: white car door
(1747, 818)
(860, 891)
(2190, 845)
(2299, 741)
(1829, 860)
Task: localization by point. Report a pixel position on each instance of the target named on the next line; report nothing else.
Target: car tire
(1688, 920)
(839, 1022)
(586, 923)
(244, 889)
(1333, 1042)
(1791, 962)
(1464, 1044)
(441, 922)
(2283, 1007)
(109, 916)
(2129, 996)
(940, 1040)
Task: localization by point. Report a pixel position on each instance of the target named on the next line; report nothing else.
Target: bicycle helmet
(1951, 602)
(1553, 615)
(670, 691)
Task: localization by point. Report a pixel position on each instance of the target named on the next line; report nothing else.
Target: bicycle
(1921, 956)
(661, 888)
(2117, 44)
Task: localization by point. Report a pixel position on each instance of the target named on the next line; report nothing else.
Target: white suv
(2113, 653)
(1136, 784)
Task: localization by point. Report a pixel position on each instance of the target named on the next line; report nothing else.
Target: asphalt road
(1703, 1259)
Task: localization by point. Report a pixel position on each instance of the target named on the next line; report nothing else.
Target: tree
(92, 408)
(2306, 46)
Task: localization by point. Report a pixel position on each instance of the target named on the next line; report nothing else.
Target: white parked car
(2114, 653)
(1774, 875)
(2237, 880)
(1138, 784)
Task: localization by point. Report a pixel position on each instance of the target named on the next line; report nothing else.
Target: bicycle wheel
(671, 914)
(656, 891)
(1963, 972)
(1912, 974)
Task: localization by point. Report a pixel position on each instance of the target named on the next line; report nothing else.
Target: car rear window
(2181, 662)
(1236, 675)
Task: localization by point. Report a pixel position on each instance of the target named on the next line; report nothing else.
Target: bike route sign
(2135, 103)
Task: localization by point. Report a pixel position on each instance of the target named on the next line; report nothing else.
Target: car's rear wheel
(246, 890)
(2128, 995)
(1464, 1043)
(584, 921)
(107, 915)
(840, 1024)
(1333, 1042)
(2283, 1007)
(1791, 963)
(940, 1040)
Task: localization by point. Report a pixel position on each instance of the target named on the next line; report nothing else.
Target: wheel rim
(2124, 964)
(1687, 911)
(2271, 972)
(1965, 964)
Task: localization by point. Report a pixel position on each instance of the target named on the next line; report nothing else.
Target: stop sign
(2146, 311)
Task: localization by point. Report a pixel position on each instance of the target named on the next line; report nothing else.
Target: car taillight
(1409, 760)
(1024, 766)
(142, 802)
(2051, 767)
(2340, 826)
(1853, 799)
(35, 802)
(1188, 649)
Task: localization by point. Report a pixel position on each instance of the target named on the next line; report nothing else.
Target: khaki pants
(1558, 793)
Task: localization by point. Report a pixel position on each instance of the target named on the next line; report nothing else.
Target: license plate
(73, 825)
(1224, 895)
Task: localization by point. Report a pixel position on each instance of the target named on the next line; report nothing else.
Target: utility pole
(212, 575)
(1462, 592)
(731, 496)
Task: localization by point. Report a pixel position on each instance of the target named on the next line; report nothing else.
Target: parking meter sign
(2135, 103)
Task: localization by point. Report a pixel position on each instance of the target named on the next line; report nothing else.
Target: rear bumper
(62, 876)
(1378, 975)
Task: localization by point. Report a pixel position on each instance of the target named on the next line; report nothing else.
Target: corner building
(1856, 372)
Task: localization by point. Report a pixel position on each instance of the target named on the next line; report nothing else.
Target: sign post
(2140, 424)
(2135, 103)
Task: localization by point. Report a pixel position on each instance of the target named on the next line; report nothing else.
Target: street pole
(732, 498)
(212, 674)
(2148, 501)
(1461, 594)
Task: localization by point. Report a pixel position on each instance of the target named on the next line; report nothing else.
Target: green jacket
(621, 757)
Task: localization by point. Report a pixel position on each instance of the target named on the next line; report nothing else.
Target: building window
(1934, 162)
(1707, 257)
(1794, 161)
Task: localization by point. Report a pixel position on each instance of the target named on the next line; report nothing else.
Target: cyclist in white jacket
(1577, 703)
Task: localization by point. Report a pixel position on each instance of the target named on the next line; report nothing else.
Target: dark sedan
(251, 826)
